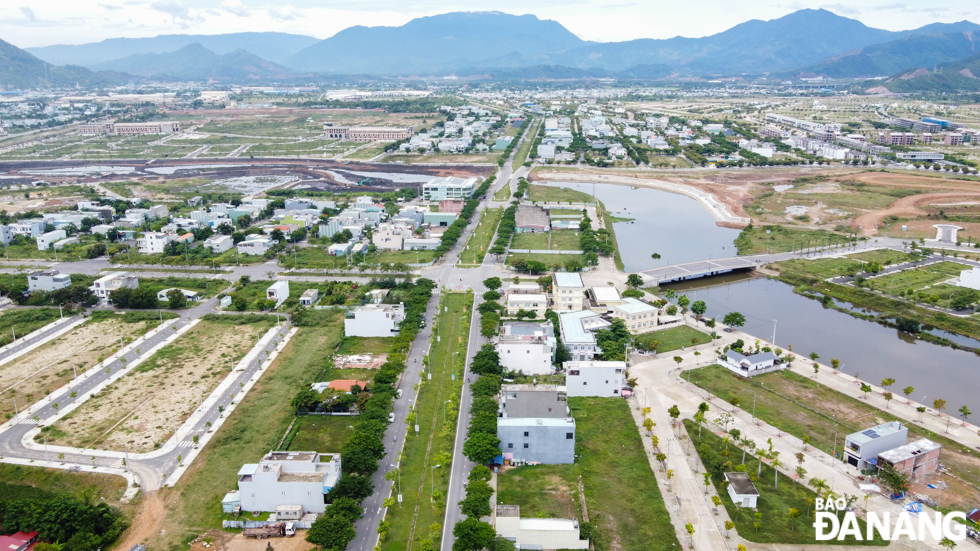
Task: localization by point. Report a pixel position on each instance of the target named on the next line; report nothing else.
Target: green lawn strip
(20, 482)
(364, 345)
(227, 258)
(881, 256)
(621, 491)
(503, 194)
(917, 278)
(780, 239)
(821, 268)
(530, 241)
(320, 433)
(796, 273)
(521, 157)
(566, 240)
(774, 501)
(24, 321)
(28, 250)
(417, 458)
(252, 429)
(573, 262)
(481, 239)
(609, 225)
(401, 257)
(542, 491)
(554, 194)
(672, 339)
(812, 412)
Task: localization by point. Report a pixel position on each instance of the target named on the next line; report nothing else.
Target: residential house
(45, 240)
(749, 365)
(916, 459)
(531, 302)
(6, 236)
(639, 316)
(309, 297)
(742, 490)
(27, 228)
(449, 187)
(374, 320)
(535, 425)
(288, 478)
(531, 219)
(603, 299)
(528, 347)
(219, 243)
(578, 333)
(389, 237)
(278, 291)
(47, 281)
(113, 282)
(537, 533)
(191, 296)
(568, 292)
(861, 449)
(153, 242)
(595, 378)
(255, 244)
(340, 249)
(19, 541)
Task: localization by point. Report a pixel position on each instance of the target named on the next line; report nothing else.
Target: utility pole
(774, 332)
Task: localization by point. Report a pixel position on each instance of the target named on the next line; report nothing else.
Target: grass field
(503, 194)
(531, 241)
(364, 345)
(881, 256)
(565, 240)
(553, 261)
(779, 239)
(254, 428)
(525, 149)
(919, 278)
(110, 487)
(321, 433)
(671, 339)
(481, 239)
(227, 258)
(437, 423)
(22, 322)
(621, 492)
(800, 406)
(555, 194)
(774, 500)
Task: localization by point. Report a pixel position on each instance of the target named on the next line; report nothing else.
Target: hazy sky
(43, 22)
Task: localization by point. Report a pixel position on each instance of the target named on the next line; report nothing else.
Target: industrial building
(368, 133)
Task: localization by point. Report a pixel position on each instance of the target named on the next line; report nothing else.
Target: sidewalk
(660, 382)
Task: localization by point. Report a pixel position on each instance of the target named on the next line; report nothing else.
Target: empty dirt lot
(49, 367)
(141, 409)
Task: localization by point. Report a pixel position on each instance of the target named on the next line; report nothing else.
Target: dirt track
(147, 522)
(906, 207)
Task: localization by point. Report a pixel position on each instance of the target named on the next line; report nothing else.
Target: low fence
(564, 204)
(298, 524)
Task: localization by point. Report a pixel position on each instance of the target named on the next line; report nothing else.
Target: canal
(682, 230)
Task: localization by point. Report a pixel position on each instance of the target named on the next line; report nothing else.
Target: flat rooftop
(741, 484)
(875, 433)
(901, 453)
(568, 279)
(606, 294)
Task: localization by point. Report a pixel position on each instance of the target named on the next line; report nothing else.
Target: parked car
(391, 417)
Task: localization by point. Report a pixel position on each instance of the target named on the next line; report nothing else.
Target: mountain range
(19, 69)
(502, 46)
(275, 47)
(195, 62)
(963, 74)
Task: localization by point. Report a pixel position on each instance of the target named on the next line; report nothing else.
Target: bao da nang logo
(913, 523)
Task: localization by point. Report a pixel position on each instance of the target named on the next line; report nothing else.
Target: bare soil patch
(908, 207)
(141, 409)
(49, 367)
(147, 522)
(241, 543)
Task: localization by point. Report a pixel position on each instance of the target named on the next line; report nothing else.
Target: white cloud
(173, 8)
(841, 9)
(235, 7)
(28, 13)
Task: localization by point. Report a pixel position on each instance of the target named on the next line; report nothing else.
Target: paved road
(26, 341)
(152, 468)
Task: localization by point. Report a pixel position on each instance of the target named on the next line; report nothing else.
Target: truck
(276, 530)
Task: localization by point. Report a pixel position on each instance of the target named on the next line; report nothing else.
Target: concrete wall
(546, 444)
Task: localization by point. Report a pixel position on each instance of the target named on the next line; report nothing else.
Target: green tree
(176, 299)
(331, 532)
(965, 412)
(699, 308)
(947, 543)
(481, 447)
(907, 391)
(683, 302)
(634, 281)
(734, 319)
(473, 535)
(865, 388)
(793, 515)
(492, 283)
